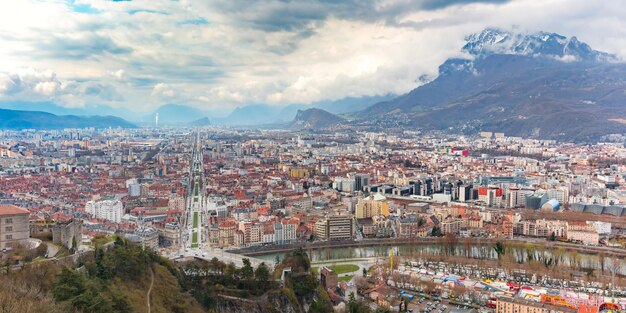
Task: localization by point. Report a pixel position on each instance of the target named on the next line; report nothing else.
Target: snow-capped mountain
(542, 85)
(541, 44)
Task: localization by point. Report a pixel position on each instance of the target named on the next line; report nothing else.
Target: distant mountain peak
(541, 85)
(541, 44)
(314, 119)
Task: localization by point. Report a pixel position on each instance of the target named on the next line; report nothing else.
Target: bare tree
(614, 265)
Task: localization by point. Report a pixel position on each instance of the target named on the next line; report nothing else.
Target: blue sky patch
(197, 21)
(82, 8)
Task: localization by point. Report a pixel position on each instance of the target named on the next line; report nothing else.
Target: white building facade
(111, 210)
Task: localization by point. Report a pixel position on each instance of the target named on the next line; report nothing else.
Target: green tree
(247, 271)
(352, 305)
(500, 249)
(436, 232)
(102, 271)
(552, 236)
(364, 272)
(91, 300)
(69, 285)
(230, 273)
(262, 273)
(119, 241)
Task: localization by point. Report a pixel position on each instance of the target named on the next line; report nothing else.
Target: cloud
(295, 15)
(30, 84)
(119, 74)
(29, 81)
(77, 46)
(224, 53)
(162, 90)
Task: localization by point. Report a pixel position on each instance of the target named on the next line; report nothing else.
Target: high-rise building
(360, 181)
(134, 190)
(372, 205)
(516, 197)
(465, 193)
(490, 195)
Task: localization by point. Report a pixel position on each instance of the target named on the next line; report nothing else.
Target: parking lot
(428, 306)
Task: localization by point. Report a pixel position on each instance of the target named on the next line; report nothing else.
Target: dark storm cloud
(292, 15)
(440, 4)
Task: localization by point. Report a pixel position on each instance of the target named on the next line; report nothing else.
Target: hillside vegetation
(116, 280)
(128, 278)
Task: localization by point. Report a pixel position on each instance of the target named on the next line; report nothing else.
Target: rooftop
(9, 209)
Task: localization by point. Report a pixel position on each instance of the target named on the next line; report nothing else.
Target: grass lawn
(194, 238)
(345, 278)
(344, 268)
(99, 241)
(195, 219)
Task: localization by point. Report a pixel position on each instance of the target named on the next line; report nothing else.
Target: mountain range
(16, 119)
(541, 85)
(178, 114)
(538, 85)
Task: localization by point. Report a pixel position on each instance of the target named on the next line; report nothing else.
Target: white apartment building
(289, 230)
(602, 228)
(561, 194)
(111, 210)
(516, 197)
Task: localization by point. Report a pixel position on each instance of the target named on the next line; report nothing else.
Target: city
(312, 156)
(427, 202)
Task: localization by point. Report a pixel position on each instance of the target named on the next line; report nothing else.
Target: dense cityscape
(385, 218)
(312, 156)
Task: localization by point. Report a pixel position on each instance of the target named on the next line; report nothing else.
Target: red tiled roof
(9, 209)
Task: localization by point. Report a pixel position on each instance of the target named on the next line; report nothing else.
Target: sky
(217, 54)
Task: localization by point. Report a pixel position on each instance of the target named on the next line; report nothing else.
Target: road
(209, 253)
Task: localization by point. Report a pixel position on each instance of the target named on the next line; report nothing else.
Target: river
(519, 253)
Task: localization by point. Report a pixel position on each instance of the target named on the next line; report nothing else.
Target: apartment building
(336, 227)
(111, 210)
(13, 225)
(517, 305)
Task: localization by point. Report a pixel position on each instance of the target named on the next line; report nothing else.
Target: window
(8, 221)
(8, 228)
(8, 237)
